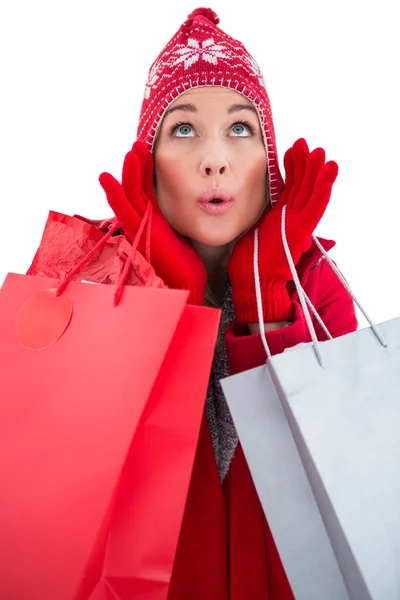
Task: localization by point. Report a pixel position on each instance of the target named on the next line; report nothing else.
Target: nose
(213, 171)
(213, 164)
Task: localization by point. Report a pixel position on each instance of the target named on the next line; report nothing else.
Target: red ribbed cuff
(276, 303)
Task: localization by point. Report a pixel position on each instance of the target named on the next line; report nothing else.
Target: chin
(214, 240)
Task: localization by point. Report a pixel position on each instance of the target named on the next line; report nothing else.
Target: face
(211, 165)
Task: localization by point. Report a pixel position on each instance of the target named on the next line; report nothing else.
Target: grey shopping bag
(282, 486)
(319, 426)
(345, 420)
(323, 447)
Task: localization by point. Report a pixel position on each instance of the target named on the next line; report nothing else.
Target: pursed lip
(217, 208)
(210, 195)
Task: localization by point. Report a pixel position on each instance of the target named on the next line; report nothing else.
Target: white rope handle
(316, 315)
(348, 288)
(298, 287)
(304, 299)
(300, 290)
(258, 296)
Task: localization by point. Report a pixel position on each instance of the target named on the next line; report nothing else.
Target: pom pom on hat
(208, 13)
(201, 54)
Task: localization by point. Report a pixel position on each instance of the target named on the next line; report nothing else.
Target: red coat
(225, 548)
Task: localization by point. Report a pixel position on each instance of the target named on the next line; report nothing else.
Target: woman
(206, 122)
(206, 162)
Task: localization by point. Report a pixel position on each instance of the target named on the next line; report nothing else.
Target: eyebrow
(238, 107)
(191, 108)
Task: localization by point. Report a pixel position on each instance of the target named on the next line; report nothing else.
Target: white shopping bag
(282, 486)
(319, 427)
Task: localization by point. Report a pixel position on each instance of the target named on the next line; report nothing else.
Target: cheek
(255, 190)
(163, 169)
(171, 186)
(255, 176)
(166, 178)
(255, 169)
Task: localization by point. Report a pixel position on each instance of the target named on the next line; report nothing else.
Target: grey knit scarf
(223, 433)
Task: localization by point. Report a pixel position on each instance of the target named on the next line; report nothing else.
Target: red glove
(172, 257)
(306, 195)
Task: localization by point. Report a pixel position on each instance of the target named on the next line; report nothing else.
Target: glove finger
(126, 215)
(146, 165)
(140, 149)
(314, 164)
(321, 195)
(288, 164)
(132, 181)
(300, 155)
(143, 154)
(149, 180)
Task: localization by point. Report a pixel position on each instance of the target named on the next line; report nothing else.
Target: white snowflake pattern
(151, 79)
(209, 51)
(256, 69)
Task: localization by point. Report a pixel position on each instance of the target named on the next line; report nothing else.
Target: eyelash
(239, 122)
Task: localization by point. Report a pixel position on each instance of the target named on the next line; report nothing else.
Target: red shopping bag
(152, 495)
(69, 415)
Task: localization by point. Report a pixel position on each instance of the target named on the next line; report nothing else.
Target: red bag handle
(146, 219)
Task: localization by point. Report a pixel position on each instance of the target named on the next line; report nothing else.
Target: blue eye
(182, 130)
(242, 130)
(185, 130)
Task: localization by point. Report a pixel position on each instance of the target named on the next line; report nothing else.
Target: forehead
(216, 94)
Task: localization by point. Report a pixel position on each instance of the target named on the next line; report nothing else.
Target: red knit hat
(201, 54)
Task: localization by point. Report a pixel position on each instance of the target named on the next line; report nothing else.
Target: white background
(72, 78)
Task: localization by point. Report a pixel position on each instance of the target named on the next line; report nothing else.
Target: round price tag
(43, 319)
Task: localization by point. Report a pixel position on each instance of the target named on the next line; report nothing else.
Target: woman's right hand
(171, 255)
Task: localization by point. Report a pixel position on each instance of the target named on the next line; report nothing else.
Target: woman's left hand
(308, 185)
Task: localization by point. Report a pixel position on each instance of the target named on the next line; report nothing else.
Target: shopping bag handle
(304, 299)
(146, 219)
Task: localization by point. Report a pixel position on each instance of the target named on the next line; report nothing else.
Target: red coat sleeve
(332, 302)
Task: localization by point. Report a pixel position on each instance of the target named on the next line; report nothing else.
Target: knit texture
(201, 54)
(276, 302)
(223, 433)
